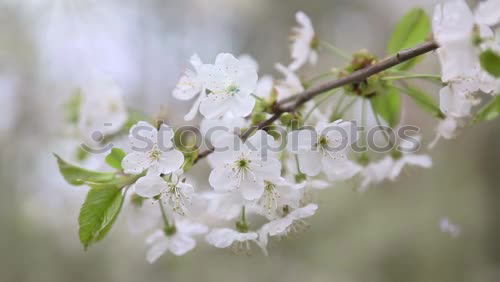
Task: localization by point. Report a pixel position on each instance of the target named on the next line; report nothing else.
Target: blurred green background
(389, 233)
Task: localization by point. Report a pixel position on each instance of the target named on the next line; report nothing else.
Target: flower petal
(181, 244)
(222, 179)
(149, 186)
(310, 162)
(170, 161)
(143, 136)
(251, 189)
(136, 162)
(221, 237)
(157, 250)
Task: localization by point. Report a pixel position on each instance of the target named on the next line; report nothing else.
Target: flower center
(323, 141)
(155, 154)
(270, 199)
(232, 90)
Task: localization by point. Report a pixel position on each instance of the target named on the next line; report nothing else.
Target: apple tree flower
(282, 226)
(177, 239)
(229, 83)
(152, 150)
(227, 237)
(324, 148)
(304, 42)
(172, 189)
(103, 109)
(244, 165)
(189, 86)
(408, 157)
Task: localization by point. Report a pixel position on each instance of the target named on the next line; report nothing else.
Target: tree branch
(357, 76)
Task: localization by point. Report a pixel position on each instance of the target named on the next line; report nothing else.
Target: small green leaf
(489, 111)
(78, 176)
(490, 61)
(98, 213)
(424, 101)
(115, 157)
(388, 105)
(411, 30)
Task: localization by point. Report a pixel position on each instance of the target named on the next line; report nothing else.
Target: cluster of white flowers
(250, 177)
(271, 174)
(462, 34)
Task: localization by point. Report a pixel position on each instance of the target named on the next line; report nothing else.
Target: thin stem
(425, 76)
(379, 124)
(337, 107)
(297, 162)
(347, 107)
(243, 215)
(327, 95)
(319, 77)
(164, 214)
(257, 97)
(335, 50)
(363, 121)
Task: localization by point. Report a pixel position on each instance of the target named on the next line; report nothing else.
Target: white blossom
(102, 110)
(152, 150)
(189, 86)
(225, 206)
(172, 189)
(446, 129)
(455, 100)
(325, 148)
(227, 237)
(279, 193)
(303, 47)
(288, 86)
(487, 12)
(265, 87)
(230, 84)
(409, 158)
(376, 172)
(178, 243)
(244, 165)
(285, 224)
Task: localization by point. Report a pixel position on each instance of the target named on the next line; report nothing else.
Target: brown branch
(357, 76)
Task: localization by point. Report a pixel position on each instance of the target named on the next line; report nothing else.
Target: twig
(357, 76)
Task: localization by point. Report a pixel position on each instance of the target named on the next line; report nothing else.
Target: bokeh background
(389, 233)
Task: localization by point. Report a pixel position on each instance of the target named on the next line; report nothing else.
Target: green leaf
(489, 111)
(412, 29)
(78, 176)
(388, 105)
(98, 213)
(490, 61)
(115, 157)
(424, 101)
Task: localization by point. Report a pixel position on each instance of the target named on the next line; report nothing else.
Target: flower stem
(335, 50)
(379, 124)
(164, 214)
(424, 76)
(327, 95)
